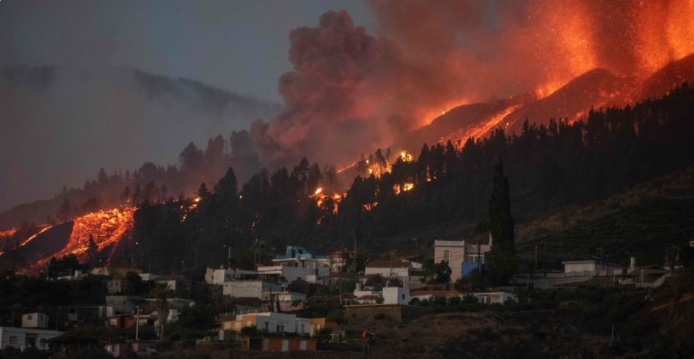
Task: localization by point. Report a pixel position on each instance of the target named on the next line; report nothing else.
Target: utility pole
(228, 247)
(137, 323)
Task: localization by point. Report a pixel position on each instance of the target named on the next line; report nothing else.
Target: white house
(26, 338)
(494, 297)
(274, 323)
(34, 320)
(462, 256)
(396, 295)
(406, 271)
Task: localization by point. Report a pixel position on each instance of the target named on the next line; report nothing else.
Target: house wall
(115, 286)
(24, 338)
(250, 289)
(455, 256)
(388, 271)
(495, 297)
(396, 295)
(592, 267)
(34, 320)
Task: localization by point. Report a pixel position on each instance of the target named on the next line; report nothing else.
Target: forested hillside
(548, 167)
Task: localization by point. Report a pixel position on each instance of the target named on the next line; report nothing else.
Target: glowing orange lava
(106, 228)
(8, 233)
(43, 229)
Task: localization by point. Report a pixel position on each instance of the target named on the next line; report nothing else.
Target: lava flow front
(96, 232)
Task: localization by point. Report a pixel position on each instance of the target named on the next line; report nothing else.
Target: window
(30, 317)
(446, 255)
(403, 296)
(280, 329)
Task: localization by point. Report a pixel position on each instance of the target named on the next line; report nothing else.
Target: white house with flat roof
(26, 338)
(462, 256)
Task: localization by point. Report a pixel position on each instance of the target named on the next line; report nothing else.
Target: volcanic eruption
(444, 71)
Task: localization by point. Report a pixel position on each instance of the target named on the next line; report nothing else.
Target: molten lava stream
(485, 127)
(106, 227)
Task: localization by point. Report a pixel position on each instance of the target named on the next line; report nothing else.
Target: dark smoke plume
(351, 92)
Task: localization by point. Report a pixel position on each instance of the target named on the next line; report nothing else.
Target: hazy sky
(236, 45)
(90, 117)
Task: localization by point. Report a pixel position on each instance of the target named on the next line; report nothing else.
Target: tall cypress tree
(502, 257)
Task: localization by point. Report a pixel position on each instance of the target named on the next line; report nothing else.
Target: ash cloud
(351, 92)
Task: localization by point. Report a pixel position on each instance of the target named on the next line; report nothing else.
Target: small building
(34, 320)
(26, 338)
(274, 323)
(494, 297)
(592, 268)
(396, 295)
(652, 276)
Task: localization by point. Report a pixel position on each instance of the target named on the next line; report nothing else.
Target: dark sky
(92, 115)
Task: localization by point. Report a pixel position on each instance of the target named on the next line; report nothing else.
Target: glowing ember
(321, 197)
(403, 188)
(370, 206)
(8, 233)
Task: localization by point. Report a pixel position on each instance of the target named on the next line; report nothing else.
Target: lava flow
(105, 229)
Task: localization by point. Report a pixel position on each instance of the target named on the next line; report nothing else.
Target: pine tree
(502, 257)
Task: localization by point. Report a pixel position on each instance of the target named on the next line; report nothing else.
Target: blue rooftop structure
(299, 253)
